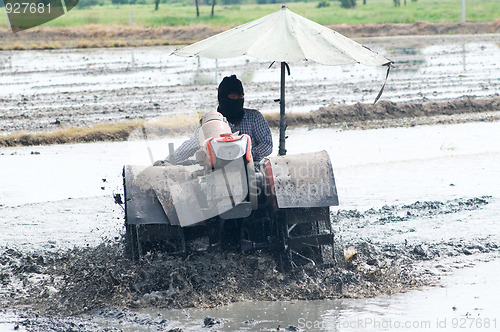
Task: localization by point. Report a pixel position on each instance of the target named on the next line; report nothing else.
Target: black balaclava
(230, 108)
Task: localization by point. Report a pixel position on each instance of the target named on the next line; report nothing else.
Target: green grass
(376, 11)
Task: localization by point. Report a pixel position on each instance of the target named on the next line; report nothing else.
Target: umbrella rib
(318, 31)
(341, 51)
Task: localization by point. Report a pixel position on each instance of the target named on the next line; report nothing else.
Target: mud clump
(81, 280)
(33, 322)
(424, 209)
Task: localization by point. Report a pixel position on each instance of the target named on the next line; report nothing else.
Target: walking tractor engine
(227, 167)
(223, 200)
(227, 148)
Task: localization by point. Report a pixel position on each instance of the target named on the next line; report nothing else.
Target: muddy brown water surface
(419, 203)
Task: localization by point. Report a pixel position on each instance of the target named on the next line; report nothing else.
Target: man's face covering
(230, 96)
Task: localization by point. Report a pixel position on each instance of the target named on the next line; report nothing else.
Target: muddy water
(466, 299)
(78, 87)
(421, 186)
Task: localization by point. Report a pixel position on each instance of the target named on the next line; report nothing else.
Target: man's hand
(161, 163)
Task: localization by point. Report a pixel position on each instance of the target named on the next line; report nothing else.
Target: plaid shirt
(253, 124)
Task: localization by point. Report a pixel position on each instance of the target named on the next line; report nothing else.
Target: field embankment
(107, 25)
(391, 114)
(361, 116)
(94, 35)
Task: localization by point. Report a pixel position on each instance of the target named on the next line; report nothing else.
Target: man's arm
(183, 152)
(263, 138)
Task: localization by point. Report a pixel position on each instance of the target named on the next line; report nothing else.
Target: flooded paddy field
(65, 88)
(420, 204)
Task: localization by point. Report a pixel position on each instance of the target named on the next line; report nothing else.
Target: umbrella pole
(282, 150)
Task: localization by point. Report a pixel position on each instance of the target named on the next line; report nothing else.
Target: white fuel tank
(213, 124)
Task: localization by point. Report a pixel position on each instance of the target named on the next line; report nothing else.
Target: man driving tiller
(241, 121)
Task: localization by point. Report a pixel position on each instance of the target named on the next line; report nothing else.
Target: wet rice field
(428, 193)
(64, 88)
(425, 199)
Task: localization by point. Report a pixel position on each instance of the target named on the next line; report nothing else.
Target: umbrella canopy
(285, 37)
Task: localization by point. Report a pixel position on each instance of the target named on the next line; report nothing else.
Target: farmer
(243, 120)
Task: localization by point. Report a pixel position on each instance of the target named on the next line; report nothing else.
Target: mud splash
(97, 279)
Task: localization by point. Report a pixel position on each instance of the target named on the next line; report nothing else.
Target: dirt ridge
(358, 116)
(362, 115)
(94, 35)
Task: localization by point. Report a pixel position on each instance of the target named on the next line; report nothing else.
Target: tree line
(157, 3)
(213, 3)
(352, 3)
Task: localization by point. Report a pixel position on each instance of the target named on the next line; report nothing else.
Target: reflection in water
(469, 297)
(411, 57)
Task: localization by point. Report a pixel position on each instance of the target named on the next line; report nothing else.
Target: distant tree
(213, 6)
(236, 2)
(263, 2)
(157, 4)
(397, 3)
(197, 8)
(348, 3)
(322, 4)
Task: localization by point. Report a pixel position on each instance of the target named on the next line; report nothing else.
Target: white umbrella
(285, 37)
